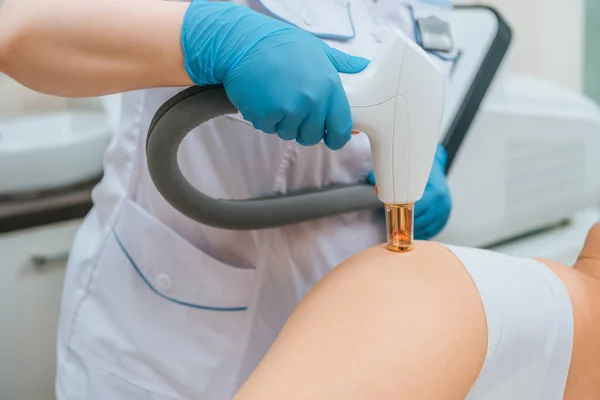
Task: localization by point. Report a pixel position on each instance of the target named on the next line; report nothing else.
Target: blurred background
(51, 152)
(553, 38)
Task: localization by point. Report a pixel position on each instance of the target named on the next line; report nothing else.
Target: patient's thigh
(380, 326)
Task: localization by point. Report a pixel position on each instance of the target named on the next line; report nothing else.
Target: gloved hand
(282, 79)
(432, 211)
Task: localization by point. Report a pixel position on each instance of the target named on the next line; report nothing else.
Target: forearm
(89, 48)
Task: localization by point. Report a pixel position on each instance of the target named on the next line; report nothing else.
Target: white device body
(398, 101)
(530, 160)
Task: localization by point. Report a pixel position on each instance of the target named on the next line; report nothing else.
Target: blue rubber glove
(432, 211)
(281, 78)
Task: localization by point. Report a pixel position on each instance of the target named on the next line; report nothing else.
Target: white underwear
(530, 327)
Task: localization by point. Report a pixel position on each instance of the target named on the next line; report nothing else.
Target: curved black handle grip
(191, 108)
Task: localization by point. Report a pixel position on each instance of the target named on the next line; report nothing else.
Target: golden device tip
(399, 221)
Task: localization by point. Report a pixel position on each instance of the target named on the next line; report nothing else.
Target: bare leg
(409, 326)
(380, 326)
(583, 284)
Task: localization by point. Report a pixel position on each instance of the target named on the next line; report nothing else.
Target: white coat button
(163, 282)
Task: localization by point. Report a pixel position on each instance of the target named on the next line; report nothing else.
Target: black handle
(191, 108)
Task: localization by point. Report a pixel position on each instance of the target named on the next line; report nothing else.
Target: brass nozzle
(399, 219)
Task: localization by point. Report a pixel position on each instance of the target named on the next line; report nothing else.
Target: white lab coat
(157, 306)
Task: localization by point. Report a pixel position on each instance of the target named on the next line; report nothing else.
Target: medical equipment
(521, 162)
(482, 40)
(399, 221)
(521, 155)
(397, 101)
(529, 162)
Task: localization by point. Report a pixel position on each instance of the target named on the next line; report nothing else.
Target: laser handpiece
(397, 101)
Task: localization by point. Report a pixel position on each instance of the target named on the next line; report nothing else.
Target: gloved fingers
(371, 178)
(432, 218)
(426, 228)
(339, 120)
(289, 127)
(267, 126)
(312, 129)
(431, 230)
(440, 225)
(441, 157)
(424, 221)
(423, 235)
(433, 210)
(422, 207)
(345, 63)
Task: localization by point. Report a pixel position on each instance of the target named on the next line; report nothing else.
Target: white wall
(548, 37)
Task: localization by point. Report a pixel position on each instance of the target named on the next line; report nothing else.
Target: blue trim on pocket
(183, 303)
(325, 36)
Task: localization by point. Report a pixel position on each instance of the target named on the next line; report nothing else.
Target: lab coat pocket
(163, 315)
